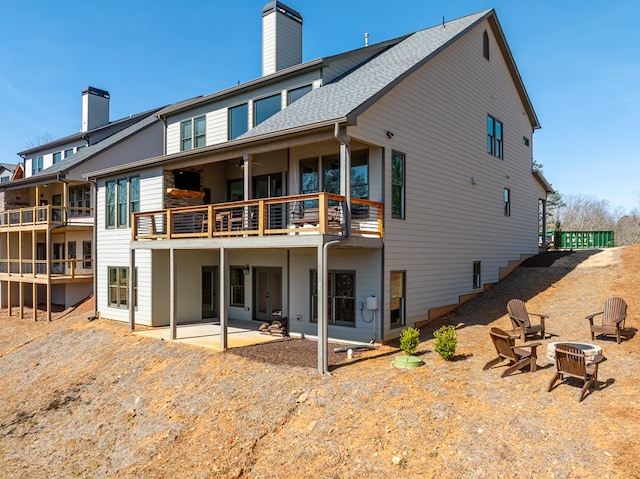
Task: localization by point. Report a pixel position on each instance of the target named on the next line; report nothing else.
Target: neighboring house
(47, 250)
(355, 195)
(6, 172)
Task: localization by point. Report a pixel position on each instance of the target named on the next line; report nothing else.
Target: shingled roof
(347, 97)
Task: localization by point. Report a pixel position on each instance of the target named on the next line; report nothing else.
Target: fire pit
(590, 350)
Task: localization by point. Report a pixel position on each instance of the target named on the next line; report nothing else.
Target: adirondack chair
(613, 316)
(521, 322)
(571, 363)
(519, 357)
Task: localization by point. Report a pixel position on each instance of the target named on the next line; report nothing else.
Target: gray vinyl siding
(438, 117)
(144, 144)
(113, 250)
(366, 264)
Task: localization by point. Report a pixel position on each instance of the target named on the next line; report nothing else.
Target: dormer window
(485, 45)
(238, 120)
(265, 108)
(193, 133)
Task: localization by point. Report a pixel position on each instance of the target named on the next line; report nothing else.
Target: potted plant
(446, 342)
(409, 341)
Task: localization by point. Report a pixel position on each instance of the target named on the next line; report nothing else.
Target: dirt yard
(92, 400)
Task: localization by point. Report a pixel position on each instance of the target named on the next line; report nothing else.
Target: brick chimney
(95, 108)
(281, 37)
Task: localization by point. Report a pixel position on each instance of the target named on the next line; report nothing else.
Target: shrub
(409, 340)
(446, 341)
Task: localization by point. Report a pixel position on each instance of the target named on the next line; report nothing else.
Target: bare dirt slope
(91, 400)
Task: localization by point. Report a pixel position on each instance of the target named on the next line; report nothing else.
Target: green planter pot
(407, 362)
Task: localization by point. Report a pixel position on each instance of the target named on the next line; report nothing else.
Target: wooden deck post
(173, 295)
(9, 296)
(132, 280)
(48, 252)
(34, 300)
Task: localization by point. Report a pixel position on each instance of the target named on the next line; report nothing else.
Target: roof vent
(281, 38)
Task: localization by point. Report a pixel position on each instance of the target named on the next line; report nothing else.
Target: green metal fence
(584, 239)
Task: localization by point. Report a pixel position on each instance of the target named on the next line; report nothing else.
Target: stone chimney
(95, 108)
(281, 38)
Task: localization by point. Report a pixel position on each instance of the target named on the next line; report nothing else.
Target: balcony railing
(70, 268)
(48, 215)
(319, 213)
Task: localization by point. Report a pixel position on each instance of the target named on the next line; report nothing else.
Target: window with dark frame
(266, 107)
(397, 185)
(238, 120)
(122, 199)
(57, 157)
(118, 294)
(341, 298)
(477, 274)
(507, 202)
(193, 133)
(118, 287)
(323, 174)
(37, 165)
(398, 287)
(485, 45)
(80, 200)
(237, 286)
(86, 254)
(297, 93)
(494, 137)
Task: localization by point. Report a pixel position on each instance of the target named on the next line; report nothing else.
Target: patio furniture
(521, 322)
(571, 362)
(311, 216)
(613, 316)
(518, 357)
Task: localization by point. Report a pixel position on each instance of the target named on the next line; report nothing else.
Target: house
(354, 195)
(47, 250)
(6, 172)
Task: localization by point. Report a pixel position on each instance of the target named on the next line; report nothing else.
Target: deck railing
(70, 268)
(319, 213)
(47, 215)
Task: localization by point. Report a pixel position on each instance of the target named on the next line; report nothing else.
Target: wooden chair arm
(620, 319)
(541, 316)
(591, 316)
(533, 346)
(518, 320)
(597, 359)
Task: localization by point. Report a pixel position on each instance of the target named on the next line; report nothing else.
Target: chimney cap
(281, 8)
(90, 90)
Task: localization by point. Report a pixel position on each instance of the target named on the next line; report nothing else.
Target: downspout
(323, 339)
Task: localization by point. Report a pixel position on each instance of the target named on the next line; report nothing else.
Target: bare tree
(586, 213)
(628, 229)
(39, 140)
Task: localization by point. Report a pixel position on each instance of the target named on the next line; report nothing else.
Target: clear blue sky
(580, 62)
